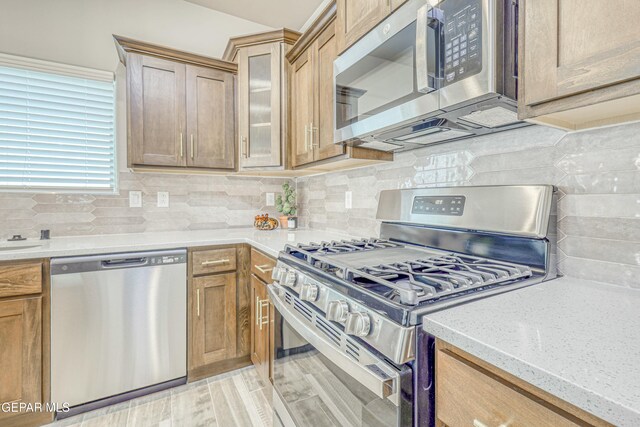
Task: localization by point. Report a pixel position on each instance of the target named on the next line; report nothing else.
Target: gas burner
(345, 246)
(407, 275)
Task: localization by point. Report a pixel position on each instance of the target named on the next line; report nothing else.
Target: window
(56, 127)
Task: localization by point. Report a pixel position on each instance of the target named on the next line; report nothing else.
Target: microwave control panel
(462, 39)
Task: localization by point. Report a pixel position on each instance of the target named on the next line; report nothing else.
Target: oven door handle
(422, 67)
(379, 377)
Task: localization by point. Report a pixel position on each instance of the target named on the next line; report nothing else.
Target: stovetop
(406, 275)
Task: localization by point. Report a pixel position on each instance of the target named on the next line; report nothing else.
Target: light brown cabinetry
(210, 119)
(357, 17)
(470, 392)
(180, 108)
(218, 310)
(262, 97)
(24, 340)
(312, 102)
(574, 75)
(261, 318)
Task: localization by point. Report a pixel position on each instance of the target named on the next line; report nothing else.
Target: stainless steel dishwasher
(118, 326)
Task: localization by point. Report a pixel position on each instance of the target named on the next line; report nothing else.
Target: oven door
(323, 377)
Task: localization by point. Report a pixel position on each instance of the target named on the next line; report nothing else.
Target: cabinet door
(566, 55)
(156, 111)
(214, 319)
(302, 89)
(259, 109)
(210, 118)
(326, 51)
(355, 18)
(20, 351)
(260, 325)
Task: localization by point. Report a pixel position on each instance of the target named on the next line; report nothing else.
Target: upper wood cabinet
(312, 106)
(302, 103)
(262, 97)
(180, 108)
(356, 17)
(575, 75)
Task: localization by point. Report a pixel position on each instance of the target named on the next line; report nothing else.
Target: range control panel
(462, 39)
(440, 205)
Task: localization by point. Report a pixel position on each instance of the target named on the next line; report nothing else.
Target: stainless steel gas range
(347, 346)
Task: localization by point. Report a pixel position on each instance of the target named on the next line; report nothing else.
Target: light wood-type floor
(238, 398)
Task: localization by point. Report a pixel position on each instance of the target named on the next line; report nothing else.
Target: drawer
(467, 395)
(213, 261)
(262, 265)
(20, 279)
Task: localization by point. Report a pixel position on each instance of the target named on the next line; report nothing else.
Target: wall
(78, 32)
(597, 173)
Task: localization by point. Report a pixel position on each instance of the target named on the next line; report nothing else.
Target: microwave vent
(492, 118)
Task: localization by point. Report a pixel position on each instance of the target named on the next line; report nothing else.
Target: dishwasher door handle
(126, 262)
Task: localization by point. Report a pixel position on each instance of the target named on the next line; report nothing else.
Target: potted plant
(286, 205)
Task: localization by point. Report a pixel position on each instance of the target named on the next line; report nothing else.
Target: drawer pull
(478, 423)
(216, 262)
(266, 268)
(198, 301)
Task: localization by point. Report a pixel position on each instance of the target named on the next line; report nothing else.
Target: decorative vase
(284, 221)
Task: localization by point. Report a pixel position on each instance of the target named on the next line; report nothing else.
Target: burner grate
(422, 276)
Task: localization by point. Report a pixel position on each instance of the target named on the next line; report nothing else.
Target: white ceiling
(275, 13)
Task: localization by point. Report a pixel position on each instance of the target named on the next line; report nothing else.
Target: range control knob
(358, 324)
(337, 311)
(277, 273)
(308, 292)
(290, 279)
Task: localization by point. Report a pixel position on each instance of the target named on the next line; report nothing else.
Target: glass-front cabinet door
(259, 105)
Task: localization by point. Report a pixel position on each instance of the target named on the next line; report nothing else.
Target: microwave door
(376, 85)
(469, 44)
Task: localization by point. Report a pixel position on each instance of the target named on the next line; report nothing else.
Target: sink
(18, 247)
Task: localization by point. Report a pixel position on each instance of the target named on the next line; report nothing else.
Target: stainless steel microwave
(433, 71)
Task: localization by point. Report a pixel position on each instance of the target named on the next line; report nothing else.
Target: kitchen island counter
(576, 339)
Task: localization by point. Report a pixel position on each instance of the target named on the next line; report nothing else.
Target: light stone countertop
(269, 242)
(578, 340)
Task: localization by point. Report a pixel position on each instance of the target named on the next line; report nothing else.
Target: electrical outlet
(271, 199)
(348, 199)
(163, 199)
(135, 199)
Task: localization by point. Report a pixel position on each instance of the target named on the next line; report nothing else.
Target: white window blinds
(56, 127)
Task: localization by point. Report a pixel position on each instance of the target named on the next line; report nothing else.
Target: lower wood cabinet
(260, 327)
(261, 314)
(24, 340)
(470, 392)
(219, 310)
(214, 328)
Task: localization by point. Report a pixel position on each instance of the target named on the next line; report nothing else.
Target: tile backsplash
(597, 173)
(195, 202)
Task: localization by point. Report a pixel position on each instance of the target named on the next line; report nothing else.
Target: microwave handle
(422, 71)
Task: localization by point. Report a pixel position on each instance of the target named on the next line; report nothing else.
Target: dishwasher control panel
(167, 259)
